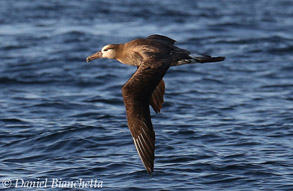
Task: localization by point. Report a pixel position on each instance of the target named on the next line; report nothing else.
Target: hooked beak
(97, 55)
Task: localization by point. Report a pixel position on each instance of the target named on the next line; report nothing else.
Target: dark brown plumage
(153, 56)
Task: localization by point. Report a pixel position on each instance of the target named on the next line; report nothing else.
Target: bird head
(108, 51)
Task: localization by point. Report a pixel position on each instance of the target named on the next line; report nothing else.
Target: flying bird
(153, 56)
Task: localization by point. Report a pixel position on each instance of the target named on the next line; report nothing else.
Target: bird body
(153, 56)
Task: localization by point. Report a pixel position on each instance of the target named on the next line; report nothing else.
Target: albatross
(153, 56)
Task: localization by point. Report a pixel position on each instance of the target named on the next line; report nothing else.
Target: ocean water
(224, 126)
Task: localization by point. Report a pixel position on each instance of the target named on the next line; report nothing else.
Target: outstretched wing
(136, 96)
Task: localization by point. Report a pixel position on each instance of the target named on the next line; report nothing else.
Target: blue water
(224, 126)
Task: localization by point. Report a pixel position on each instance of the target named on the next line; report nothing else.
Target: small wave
(95, 115)
(13, 47)
(253, 40)
(283, 50)
(13, 120)
(277, 86)
(211, 80)
(223, 180)
(26, 159)
(105, 100)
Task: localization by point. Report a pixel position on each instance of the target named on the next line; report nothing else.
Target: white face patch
(108, 52)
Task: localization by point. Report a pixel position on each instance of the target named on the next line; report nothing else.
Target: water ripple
(223, 126)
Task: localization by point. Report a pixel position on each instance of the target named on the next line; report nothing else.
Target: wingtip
(216, 59)
(149, 171)
(222, 58)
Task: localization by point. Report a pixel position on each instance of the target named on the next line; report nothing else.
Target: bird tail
(202, 59)
(208, 59)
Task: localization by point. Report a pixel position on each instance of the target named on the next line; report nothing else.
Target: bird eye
(105, 50)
